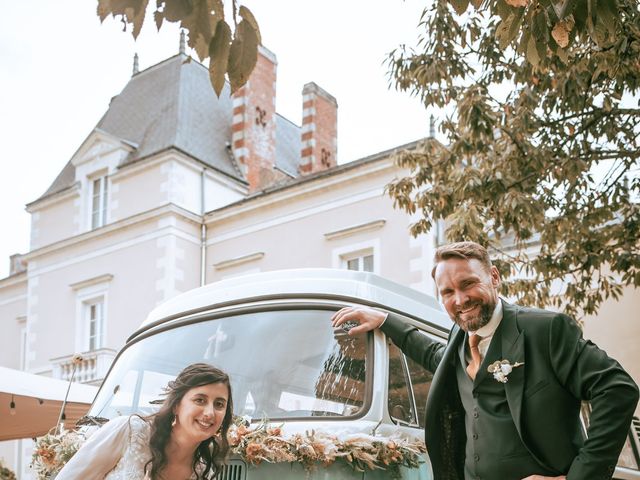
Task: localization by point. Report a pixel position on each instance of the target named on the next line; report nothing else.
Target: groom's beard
(475, 322)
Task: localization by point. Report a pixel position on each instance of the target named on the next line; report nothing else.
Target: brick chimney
(319, 149)
(253, 128)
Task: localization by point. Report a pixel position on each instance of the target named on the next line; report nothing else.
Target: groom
(521, 421)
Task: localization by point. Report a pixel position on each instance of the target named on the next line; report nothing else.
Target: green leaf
(460, 6)
(219, 55)
(243, 55)
(246, 14)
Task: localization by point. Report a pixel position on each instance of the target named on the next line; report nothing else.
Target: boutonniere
(502, 368)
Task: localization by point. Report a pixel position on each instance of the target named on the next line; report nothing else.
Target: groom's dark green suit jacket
(544, 395)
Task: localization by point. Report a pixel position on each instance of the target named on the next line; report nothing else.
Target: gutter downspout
(203, 233)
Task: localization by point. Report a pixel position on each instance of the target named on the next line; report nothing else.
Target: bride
(185, 439)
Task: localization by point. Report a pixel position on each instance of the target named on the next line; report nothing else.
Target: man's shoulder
(533, 317)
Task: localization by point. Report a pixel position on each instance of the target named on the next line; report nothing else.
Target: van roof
(346, 285)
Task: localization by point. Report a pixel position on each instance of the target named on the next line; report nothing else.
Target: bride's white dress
(119, 450)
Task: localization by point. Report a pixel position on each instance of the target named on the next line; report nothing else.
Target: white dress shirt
(489, 329)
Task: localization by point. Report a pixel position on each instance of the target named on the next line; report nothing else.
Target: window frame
(415, 421)
(209, 315)
(98, 336)
(342, 255)
(102, 180)
(87, 295)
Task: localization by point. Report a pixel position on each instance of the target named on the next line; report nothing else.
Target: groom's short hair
(462, 250)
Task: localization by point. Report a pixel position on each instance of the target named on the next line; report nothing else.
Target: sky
(60, 68)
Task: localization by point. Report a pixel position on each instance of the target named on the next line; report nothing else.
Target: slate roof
(172, 105)
(288, 145)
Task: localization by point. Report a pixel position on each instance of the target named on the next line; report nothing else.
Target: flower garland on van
(266, 443)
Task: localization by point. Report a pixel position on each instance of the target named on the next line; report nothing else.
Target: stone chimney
(319, 149)
(17, 264)
(253, 128)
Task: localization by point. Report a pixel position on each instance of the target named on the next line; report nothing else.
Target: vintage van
(271, 332)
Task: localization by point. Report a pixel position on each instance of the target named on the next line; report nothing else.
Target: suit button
(475, 436)
(476, 457)
(475, 415)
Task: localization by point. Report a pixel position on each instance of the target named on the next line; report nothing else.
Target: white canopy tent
(37, 402)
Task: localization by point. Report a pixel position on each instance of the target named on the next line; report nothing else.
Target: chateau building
(175, 188)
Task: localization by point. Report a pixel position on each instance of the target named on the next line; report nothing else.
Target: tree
(542, 141)
(209, 34)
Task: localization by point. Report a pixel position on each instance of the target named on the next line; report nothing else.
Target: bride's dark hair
(212, 451)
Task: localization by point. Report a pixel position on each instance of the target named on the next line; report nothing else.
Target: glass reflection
(282, 364)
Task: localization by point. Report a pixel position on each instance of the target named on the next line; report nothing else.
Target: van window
(420, 382)
(282, 364)
(400, 403)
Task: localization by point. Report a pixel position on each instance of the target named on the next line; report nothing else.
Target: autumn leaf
(560, 34)
(201, 23)
(132, 12)
(517, 3)
(219, 54)
(460, 6)
(509, 28)
(243, 55)
(175, 10)
(531, 122)
(246, 14)
(208, 33)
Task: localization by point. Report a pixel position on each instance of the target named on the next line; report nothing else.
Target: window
(420, 383)
(409, 385)
(95, 323)
(23, 348)
(362, 263)
(306, 370)
(400, 401)
(361, 257)
(99, 202)
(92, 300)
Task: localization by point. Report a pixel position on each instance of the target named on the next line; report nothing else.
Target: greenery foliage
(6, 473)
(542, 128)
(233, 54)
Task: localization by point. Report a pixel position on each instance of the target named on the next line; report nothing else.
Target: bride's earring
(175, 420)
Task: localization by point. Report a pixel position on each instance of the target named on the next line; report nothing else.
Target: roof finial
(136, 68)
(182, 43)
(432, 126)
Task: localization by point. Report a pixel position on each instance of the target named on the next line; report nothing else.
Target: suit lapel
(444, 371)
(513, 351)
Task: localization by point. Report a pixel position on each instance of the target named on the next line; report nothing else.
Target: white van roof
(346, 285)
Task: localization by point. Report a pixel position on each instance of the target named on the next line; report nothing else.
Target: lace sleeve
(100, 454)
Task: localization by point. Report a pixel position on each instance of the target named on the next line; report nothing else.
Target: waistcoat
(494, 450)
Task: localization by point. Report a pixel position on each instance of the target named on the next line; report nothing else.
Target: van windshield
(282, 364)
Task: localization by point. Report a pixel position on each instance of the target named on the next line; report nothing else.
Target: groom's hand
(366, 318)
(540, 477)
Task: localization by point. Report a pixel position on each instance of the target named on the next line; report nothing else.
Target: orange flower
(254, 453)
(48, 456)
